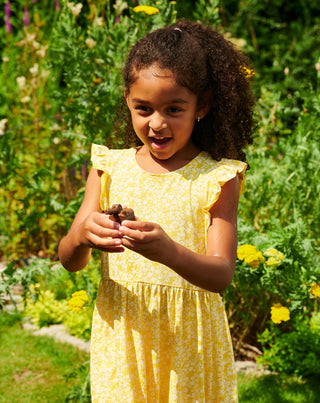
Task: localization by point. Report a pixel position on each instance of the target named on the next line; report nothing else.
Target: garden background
(60, 86)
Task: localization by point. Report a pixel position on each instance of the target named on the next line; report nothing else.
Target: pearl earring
(198, 118)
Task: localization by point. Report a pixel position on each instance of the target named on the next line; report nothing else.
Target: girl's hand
(148, 239)
(99, 232)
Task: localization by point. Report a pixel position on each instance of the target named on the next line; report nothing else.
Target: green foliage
(27, 275)
(279, 209)
(295, 352)
(207, 12)
(31, 204)
(278, 35)
(79, 323)
(46, 310)
(281, 183)
(46, 289)
(61, 97)
(255, 290)
(47, 302)
(280, 40)
(79, 393)
(8, 319)
(63, 283)
(92, 55)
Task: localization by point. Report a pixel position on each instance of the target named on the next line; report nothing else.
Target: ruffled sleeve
(100, 157)
(226, 170)
(101, 160)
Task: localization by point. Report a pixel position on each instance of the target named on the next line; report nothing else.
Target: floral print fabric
(155, 336)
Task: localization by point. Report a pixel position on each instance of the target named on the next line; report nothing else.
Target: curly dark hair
(209, 66)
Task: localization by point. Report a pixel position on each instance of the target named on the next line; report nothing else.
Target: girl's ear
(202, 111)
(126, 97)
(205, 105)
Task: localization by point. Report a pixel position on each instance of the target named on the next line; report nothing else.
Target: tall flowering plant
(95, 48)
(273, 283)
(7, 13)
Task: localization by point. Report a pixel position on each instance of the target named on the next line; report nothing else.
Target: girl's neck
(147, 162)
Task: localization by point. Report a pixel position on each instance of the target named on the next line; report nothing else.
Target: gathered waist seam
(197, 289)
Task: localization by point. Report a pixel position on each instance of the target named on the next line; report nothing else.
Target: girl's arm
(213, 271)
(90, 229)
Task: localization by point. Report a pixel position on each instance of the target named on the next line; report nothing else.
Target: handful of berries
(119, 214)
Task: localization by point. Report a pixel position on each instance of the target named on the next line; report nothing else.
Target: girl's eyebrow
(174, 101)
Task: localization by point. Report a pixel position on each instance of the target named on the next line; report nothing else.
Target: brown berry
(127, 214)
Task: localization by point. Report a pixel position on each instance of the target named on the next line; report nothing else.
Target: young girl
(159, 330)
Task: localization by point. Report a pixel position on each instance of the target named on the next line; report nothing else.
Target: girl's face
(163, 113)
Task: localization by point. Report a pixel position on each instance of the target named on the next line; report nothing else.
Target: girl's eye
(174, 109)
(142, 108)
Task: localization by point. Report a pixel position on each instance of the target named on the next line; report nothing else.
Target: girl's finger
(143, 226)
(132, 233)
(105, 221)
(103, 232)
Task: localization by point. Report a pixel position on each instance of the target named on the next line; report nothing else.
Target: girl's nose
(157, 123)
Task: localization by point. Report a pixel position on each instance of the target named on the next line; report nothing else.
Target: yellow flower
(100, 21)
(75, 8)
(275, 257)
(45, 74)
(21, 82)
(78, 300)
(90, 43)
(279, 313)
(251, 255)
(248, 73)
(146, 9)
(25, 99)
(315, 289)
(42, 51)
(34, 70)
(30, 37)
(3, 126)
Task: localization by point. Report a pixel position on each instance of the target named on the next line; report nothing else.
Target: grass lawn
(37, 369)
(277, 389)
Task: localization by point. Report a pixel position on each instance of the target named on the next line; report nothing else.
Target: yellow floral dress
(155, 336)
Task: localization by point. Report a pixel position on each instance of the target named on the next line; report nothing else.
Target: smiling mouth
(160, 140)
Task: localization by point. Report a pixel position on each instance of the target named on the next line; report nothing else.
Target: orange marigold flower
(279, 313)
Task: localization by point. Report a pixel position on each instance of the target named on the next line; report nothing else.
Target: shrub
(79, 323)
(293, 352)
(279, 209)
(46, 310)
(283, 274)
(27, 274)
